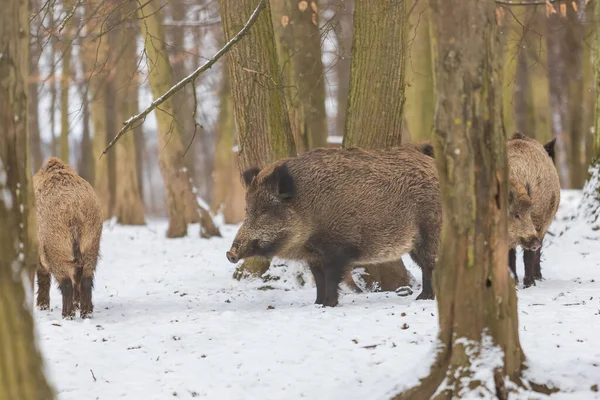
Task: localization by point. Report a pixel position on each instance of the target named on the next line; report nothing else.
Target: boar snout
(232, 257)
(532, 243)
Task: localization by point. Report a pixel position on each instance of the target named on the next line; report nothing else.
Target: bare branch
(128, 125)
(525, 3)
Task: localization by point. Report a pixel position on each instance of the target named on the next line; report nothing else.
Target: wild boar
(69, 231)
(534, 198)
(340, 208)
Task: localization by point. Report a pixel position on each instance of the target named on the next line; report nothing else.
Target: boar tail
(77, 259)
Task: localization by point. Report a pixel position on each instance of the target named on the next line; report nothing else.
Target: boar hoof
(528, 281)
(69, 317)
(43, 306)
(86, 314)
(425, 296)
(330, 303)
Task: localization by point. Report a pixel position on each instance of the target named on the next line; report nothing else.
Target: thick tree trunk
(65, 83)
(97, 70)
(419, 74)
(471, 273)
(590, 203)
(343, 32)
(376, 102)
(559, 92)
(21, 367)
(178, 187)
(513, 31)
(261, 116)
(129, 208)
(298, 41)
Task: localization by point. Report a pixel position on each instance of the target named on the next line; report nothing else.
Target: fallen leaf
(285, 20)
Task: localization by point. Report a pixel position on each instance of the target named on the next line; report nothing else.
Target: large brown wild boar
(534, 199)
(69, 231)
(340, 208)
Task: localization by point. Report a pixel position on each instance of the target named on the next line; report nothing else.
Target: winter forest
(286, 199)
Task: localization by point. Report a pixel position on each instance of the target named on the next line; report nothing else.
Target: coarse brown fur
(340, 208)
(69, 231)
(535, 192)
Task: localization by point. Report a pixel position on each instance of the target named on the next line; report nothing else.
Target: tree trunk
(376, 102)
(65, 83)
(514, 33)
(97, 71)
(523, 102)
(471, 273)
(86, 158)
(590, 203)
(343, 32)
(261, 116)
(298, 41)
(34, 121)
(419, 74)
(129, 208)
(559, 91)
(178, 187)
(21, 366)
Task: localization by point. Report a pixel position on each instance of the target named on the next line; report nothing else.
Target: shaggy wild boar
(534, 199)
(69, 231)
(339, 208)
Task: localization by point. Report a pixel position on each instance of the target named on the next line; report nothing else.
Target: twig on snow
(129, 124)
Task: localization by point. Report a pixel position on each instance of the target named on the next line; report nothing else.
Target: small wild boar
(339, 208)
(69, 231)
(533, 200)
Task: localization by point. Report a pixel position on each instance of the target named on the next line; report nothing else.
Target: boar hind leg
(317, 271)
(537, 267)
(529, 261)
(43, 294)
(512, 263)
(333, 273)
(87, 307)
(425, 258)
(66, 288)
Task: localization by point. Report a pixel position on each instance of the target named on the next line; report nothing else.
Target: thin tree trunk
(86, 159)
(97, 67)
(21, 366)
(471, 273)
(261, 116)
(513, 31)
(419, 74)
(52, 82)
(178, 187)
(343, 31)
(298, 41)
(65, 83)
(129, 208)
(34, 121)
(376, 102)
(524, 106)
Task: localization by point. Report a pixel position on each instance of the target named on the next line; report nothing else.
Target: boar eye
(517, 216)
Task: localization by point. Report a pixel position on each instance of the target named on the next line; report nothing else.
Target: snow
(170, 322)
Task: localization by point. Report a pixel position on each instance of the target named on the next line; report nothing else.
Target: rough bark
(129, 208)
(261, 116)
(476, 297)
(523, 102)
(513, 31)
(37, 157)
(66, 77)
(298, 41)
(21, 367)
(343, 32)
(97, 69)
(375, 105)
(178, 187)
(419, 74)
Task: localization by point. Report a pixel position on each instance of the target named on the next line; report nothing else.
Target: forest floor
(170, 322)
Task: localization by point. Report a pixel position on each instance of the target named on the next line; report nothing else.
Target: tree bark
(420, 101)
(21, 367)
(261, 116)
(343, 32)
(178, 186)
(376, 102)
(86, 158)
(476, 297)
(129, 208)
(33, 104)
(298, 41)
(65, 83)
(97, 71)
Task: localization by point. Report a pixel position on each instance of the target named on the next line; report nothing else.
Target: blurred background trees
(309, 74)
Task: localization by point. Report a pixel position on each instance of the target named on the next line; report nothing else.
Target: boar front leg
(512, 263)
(333, 270)
(529, 261)
(537, 268)
(317, 271)
(43, 294)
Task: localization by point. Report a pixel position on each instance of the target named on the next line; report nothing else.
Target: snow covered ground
(170, 322)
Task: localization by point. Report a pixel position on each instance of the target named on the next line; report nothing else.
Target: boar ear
(283, 182)
(528, 189)
(249, 174)
(549, 147)
(427, 149)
